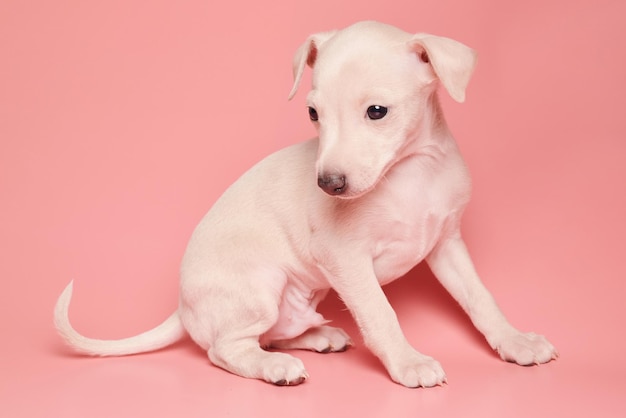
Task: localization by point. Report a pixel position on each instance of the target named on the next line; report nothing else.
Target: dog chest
(412, 215)
(404, 245)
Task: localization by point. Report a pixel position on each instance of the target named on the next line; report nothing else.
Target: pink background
(122, 121)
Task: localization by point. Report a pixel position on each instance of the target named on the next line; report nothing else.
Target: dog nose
(333, 184)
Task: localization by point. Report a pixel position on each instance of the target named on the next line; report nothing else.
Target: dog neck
(432, 137)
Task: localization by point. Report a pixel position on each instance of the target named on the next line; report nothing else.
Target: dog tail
(170, 331)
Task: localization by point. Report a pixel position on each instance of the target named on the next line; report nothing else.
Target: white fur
(267, 252)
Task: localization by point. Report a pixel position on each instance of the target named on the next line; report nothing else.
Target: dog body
(391, 188)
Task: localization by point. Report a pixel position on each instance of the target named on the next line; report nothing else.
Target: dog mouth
(339, 186)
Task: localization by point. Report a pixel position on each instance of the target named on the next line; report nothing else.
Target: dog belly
(297, 313)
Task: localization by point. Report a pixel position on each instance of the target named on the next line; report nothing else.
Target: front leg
(451, 264)
(362, 294)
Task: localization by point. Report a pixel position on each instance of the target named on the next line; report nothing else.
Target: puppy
(380, 189)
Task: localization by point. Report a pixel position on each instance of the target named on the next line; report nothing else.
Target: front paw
(417, 370)
(526, 349)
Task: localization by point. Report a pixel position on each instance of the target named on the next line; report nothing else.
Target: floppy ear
(452, 61)
(307, 54)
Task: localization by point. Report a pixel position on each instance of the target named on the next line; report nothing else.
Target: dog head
(372, 98)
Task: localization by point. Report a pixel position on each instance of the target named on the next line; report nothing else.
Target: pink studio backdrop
(121, 122)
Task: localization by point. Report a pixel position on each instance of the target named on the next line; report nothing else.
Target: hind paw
(323, 339)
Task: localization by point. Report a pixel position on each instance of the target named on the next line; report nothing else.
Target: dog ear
(306, 55)
(452, 61)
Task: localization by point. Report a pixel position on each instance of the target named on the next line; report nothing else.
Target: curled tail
(170, 331)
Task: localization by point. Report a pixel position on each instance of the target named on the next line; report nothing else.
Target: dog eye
(313, 114)
(376, 112)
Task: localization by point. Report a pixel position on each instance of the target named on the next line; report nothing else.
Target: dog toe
(323, 339)
(284, 370)
(285, 382)
(527, 349)
(418, 371)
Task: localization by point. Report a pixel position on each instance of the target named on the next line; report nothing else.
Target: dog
(381, 188)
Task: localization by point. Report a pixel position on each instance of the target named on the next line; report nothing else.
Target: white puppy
(382, 188)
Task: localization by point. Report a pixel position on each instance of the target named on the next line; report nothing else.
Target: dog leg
(323, 339)
(246, 358)
(230, 319)
(381, 331)
(451, 264)
(238, 350)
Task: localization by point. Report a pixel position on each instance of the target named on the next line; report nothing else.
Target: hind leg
(237, 349)
(246, 358)
(323, 339)
(228, 319)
